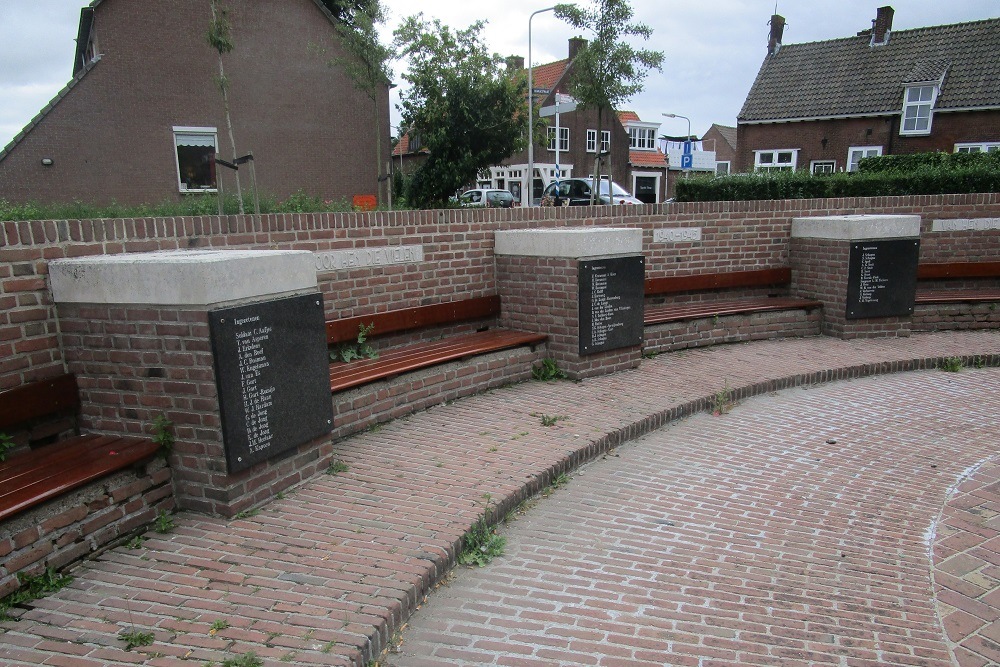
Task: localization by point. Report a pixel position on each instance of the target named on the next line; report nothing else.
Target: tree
(347, 11)
(220, 38)
(608, 71)
(367, 64)
(466, 107)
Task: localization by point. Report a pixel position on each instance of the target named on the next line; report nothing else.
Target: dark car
(578, 190)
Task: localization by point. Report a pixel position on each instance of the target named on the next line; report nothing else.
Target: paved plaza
(842, 512)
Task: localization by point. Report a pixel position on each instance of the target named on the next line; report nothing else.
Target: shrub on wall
(918, 174)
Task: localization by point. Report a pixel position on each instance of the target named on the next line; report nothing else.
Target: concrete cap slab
(182, 277)
(856, 227)
(569, 243)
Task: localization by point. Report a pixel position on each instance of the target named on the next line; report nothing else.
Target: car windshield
(618, 190)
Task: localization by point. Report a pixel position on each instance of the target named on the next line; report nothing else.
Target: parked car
(486, 197)
(578, 190)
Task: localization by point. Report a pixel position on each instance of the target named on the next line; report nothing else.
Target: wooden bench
(718, 306)
(47, 471)
(965, 272)
(424, 354)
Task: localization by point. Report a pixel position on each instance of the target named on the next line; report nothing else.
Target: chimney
(882, 26)
(777, 24)
(515, 63)
(576, 44)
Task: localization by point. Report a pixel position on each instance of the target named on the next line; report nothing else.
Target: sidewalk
(327, 574)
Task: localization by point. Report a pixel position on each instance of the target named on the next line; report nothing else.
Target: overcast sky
(713, 48)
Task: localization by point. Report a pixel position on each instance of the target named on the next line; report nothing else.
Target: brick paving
(733, 548)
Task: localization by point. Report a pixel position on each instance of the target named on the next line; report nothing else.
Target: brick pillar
(862, 267)
(135, 330)
(539, 279)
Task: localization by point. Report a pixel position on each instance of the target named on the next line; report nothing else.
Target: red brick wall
(840, 135)
(458, 251)
(111, 137)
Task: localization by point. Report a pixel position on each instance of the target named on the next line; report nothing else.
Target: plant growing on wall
(220, 38)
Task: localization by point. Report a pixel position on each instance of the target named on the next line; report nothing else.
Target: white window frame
(824, 163)
(868, 151)
(760, 163)
(563, 138)
(918, 114)
(728, 167)
(180, 131)
(642, 138)
(978, 147)
(591, 141)
(605, 141)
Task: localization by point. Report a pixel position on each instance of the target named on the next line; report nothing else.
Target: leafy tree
(609, 70)
(466, 107)
(220, 38)
(368, 65)
(348, 12)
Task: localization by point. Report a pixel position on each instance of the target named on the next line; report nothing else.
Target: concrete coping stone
(856, 227)
(569, 243)
(182, 277)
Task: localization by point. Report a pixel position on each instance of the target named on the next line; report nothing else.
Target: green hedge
(920, 174)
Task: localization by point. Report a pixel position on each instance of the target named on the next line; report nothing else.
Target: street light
(531, 123)
(677, 115)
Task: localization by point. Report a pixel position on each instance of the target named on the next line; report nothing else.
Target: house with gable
(142, 119)
(823, 106)
(721, 140)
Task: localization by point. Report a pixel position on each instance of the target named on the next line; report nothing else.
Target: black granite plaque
(882, 278)
(611, 292)
(272, 372)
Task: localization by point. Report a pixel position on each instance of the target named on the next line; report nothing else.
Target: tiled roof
(626, 116)
(402, 146)
(647, 158)
(728, 133)
(844, 77)
(548, 75)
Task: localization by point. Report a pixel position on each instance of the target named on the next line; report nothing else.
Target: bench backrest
(945, 270)
(706, 281)
(38, 399)
(407, 319)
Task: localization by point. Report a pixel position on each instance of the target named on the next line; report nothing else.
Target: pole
(531, 110)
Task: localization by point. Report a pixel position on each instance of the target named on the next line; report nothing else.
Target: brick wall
(458, 251)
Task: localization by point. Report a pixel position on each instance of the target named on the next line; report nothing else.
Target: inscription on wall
(882, 278)
(965, 225)
(271, 371)
(611, 294)
(677, 235)
(360, 258)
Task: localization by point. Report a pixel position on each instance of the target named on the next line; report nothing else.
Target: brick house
(721, 139)
(142, 119)
(825, 105)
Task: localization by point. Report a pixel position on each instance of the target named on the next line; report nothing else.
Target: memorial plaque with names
(272, 373)
(882, 278)
(611, 294)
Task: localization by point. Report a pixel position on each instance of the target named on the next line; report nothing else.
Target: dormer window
(642, 138)
(918, 110)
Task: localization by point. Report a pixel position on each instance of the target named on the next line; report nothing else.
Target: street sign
(540, 91)
(687, 147)
(687, 161)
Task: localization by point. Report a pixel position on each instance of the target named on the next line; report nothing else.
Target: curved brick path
(792, 531)
(327, 574)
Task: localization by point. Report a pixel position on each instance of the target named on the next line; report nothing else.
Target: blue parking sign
(687, 161)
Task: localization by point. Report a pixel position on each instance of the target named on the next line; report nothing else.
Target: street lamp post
(677, 115)
(531, 109)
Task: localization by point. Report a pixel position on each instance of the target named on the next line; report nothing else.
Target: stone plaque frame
(611, 295)
(882, 278)
(271, 369)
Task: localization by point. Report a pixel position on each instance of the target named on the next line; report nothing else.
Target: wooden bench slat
(957, 296)
(38, 399)
(946, 270)
(49, 483)
(48, 455)
(707, 281)
(406, 319)
(677, 312)
(423, 355)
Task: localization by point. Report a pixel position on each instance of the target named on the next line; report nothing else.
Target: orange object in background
(365, 202)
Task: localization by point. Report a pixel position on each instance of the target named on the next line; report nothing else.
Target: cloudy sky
(713, 48)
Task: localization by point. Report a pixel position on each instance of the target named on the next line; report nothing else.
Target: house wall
(723, 151)
(110, 137)
(840, 135)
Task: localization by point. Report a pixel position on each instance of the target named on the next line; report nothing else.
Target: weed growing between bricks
(32, 588)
